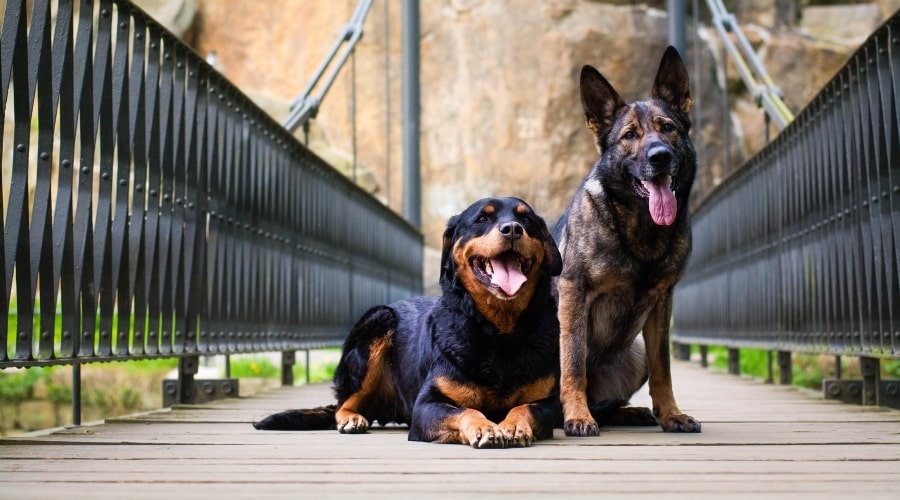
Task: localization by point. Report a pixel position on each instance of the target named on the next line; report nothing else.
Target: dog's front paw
(485, 434)
(581, 427)
(353, 424)
(517, 433)
(679, 423)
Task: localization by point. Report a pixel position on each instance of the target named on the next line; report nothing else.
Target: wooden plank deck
(758, 440)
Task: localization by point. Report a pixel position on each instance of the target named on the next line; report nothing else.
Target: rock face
(501, 113)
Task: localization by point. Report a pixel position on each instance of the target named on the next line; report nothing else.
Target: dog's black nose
(659, 156)
(511, 230)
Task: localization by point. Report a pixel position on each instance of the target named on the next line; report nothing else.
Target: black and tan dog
(478, 365)
(625, 240)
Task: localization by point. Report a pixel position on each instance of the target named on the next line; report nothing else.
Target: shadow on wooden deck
(757, 440)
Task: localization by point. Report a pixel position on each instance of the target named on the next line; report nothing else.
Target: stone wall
(500, 107)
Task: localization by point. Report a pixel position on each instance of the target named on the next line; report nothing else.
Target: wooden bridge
(758, 440)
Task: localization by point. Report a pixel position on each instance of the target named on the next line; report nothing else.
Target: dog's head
(498, 251)
(646, 142)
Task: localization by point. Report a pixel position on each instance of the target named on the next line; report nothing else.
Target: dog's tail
(312, 419)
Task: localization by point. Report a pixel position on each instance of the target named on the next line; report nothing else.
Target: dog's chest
(620, 300)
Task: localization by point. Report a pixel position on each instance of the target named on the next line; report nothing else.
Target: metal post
(410, 105)
(870, 370)
(785, 368)
(288, 358)
(76, 394)
(734, 361)
(307, 365)
(704, 356)
(676, 10)
(187, 368)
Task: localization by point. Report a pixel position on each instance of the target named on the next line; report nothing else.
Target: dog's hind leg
(362, 381)
(613, 384)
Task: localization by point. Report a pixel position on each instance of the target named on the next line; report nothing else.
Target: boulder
(501, 113)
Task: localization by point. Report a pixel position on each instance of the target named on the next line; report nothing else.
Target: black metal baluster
(105, 115)
(12, 19)
(142, 99)
(194, 236)
(882, 123)
(158, 98)
(41, 234)
(63, 246)
(890, 69)
(160, 296)
(173, 299)
(16, 237)
(83, 231)
(869, 180)
(118, 300)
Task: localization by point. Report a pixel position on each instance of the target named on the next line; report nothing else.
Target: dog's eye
(629, 135)
(667, 128)
(482, 219)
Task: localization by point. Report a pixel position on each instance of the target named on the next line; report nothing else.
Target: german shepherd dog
(625, 240)
(478, 365)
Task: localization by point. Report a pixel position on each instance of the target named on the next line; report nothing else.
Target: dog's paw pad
(356, 424)
(581, 427)
(486, 436)
(680, 423)
(518, 436)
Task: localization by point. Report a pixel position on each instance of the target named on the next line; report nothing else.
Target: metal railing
(799, 250)
(149, 209)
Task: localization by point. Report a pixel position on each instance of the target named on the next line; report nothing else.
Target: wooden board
(757, 439)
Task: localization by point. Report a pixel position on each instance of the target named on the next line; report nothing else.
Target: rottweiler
(625, 240)
(478, 365)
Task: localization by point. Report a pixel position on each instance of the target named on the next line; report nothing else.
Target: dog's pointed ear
(448, 267)
(672, 85)
(552, 257)
(600, 102)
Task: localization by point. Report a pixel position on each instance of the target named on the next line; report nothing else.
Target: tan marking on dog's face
(501, 310)
(483, 399)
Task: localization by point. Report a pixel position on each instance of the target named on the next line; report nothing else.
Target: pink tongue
(662, 201)
(507, 275)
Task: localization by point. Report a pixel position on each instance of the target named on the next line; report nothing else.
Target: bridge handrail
(152, 210)
(799, 251)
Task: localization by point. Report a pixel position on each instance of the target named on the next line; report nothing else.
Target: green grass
(807, 370)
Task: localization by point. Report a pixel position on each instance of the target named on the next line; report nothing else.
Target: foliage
(253, 367)
(807, 370)
(322, 372)
(17, 387)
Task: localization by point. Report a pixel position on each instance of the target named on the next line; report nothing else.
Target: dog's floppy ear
(552, 257)
(672, 85)
(600, 102)
(448, 267)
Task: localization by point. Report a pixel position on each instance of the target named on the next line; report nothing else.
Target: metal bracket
(201, 391)
(886, 394)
